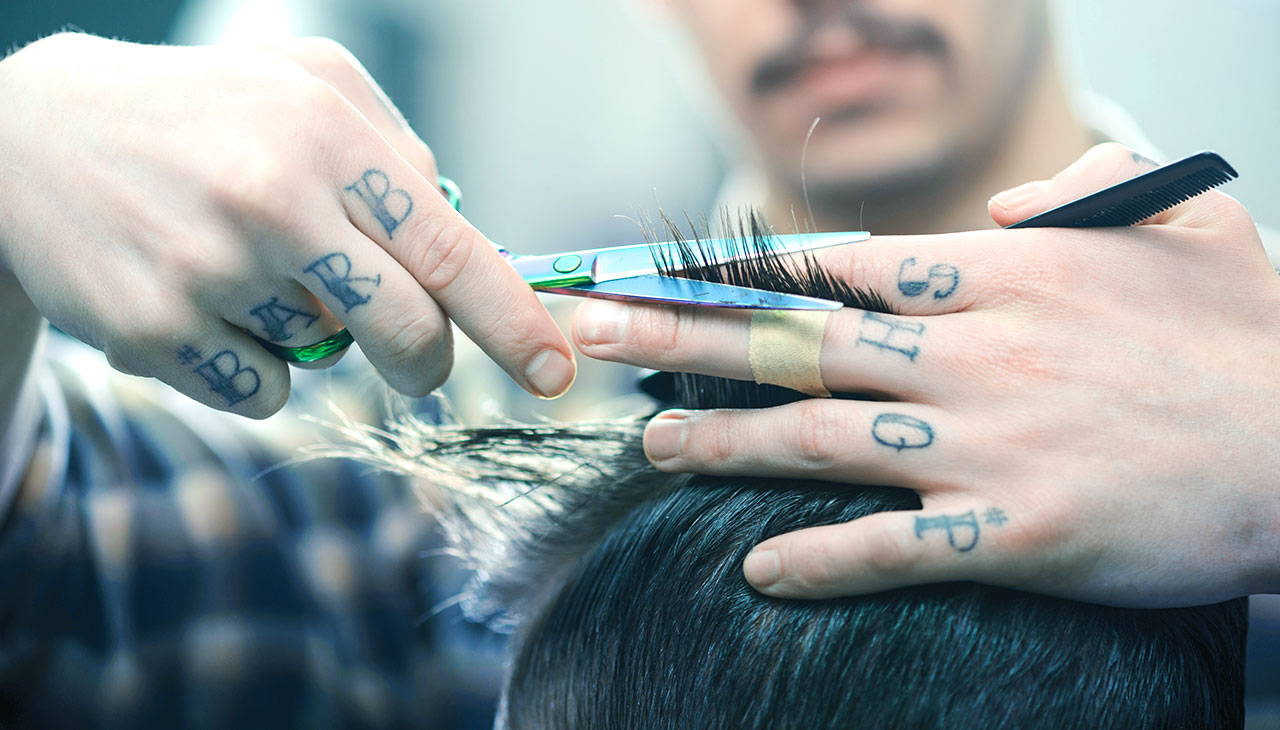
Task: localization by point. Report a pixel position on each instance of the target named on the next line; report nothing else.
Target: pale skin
(1107, 393)
(163, 204)
(1086, 413)
(1090, 414)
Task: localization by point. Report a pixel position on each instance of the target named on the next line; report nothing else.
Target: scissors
(633, 274)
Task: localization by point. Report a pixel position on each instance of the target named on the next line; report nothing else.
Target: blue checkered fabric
(158, 571)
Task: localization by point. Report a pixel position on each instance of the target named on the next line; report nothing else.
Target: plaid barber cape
(159, 568)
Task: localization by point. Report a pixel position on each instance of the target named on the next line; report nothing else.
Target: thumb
(1102, 166)
(879, 552)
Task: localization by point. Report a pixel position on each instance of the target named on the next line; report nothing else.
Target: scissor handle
(543, 272)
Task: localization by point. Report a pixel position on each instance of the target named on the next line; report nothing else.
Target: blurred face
(908, 90)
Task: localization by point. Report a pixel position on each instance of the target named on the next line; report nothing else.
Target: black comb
(1139, 198)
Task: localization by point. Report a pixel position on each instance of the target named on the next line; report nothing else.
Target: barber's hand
(159, 202)
(1085, 413)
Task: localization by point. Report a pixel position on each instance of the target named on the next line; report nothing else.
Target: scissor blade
(627, 261)
(671, 290)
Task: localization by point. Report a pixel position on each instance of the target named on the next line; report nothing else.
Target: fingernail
(601, 321)
(1021, 195)
(762, 568)
(664, 436)
(550, 373)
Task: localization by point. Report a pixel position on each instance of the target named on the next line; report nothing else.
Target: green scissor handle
(342, 340)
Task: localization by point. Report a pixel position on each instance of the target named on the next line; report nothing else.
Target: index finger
(945, 273)
(393, 205)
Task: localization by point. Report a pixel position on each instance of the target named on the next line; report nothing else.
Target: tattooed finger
(398, 326)
(217, 364)
(917, 359)
(860, 442)
(881, 551)
(281, 312)
(405, 216)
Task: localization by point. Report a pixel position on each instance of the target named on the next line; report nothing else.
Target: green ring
(342, 340)
(319, 351)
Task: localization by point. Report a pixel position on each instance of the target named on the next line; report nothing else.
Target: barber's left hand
(1092, 414)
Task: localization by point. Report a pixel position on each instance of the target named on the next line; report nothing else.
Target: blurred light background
(562, 120)
(557, 116)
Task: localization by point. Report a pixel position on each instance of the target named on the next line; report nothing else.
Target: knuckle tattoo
(900, 432)
(225, 374)
(889, 334)
(276, 319)
(390, 206)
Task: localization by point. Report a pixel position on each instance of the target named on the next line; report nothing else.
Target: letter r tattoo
(334, 271)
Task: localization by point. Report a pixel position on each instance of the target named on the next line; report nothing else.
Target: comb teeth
(1154, 201)
(1136, 200)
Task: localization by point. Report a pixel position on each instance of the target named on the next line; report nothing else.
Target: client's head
(625, 592)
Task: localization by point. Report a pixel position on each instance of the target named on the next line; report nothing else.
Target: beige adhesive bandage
(786, 349)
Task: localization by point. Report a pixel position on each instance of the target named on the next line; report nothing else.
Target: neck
(1042, 138)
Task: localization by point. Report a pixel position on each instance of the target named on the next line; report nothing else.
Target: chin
(874, 165)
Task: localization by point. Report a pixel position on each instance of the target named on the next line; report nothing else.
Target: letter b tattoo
(223, 373)
(390, 206)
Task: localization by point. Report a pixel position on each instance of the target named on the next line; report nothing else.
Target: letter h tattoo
(884, 333)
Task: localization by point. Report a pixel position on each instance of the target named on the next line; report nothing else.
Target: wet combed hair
(624, 588)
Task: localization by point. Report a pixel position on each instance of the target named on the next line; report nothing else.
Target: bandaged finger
(786, 349)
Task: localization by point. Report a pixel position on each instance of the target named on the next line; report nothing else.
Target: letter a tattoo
(276, 317)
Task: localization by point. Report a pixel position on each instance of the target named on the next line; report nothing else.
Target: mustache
(877, 32)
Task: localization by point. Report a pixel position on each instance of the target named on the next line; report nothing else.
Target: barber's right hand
(160, 202)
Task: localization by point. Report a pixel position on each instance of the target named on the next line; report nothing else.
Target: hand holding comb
(1138, 198)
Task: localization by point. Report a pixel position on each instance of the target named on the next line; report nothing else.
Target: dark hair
(625, 589)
